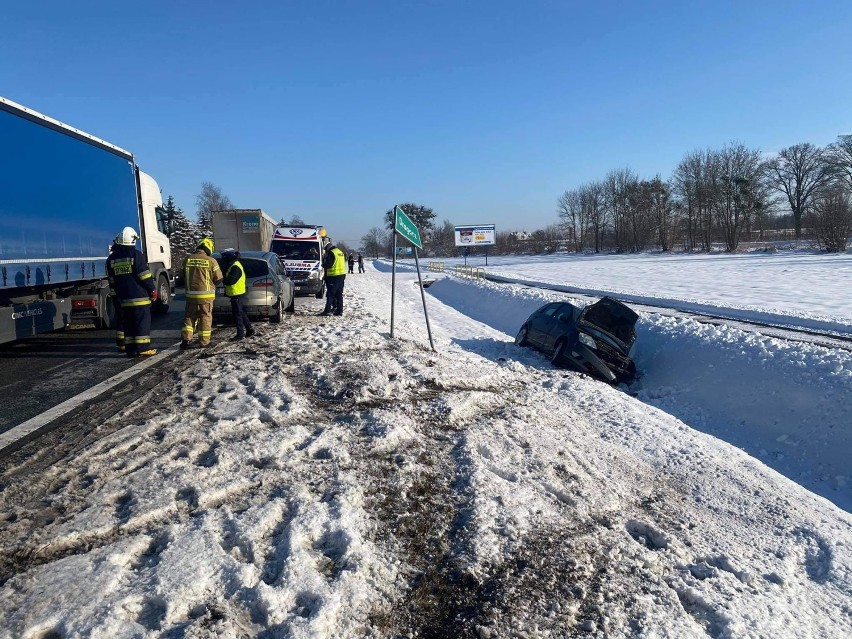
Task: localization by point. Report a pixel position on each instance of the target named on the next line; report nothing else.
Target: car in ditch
(595, 340)
(269, 290)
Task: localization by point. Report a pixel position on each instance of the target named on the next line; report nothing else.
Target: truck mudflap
(25, 320)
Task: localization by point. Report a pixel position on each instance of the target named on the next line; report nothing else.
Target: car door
(560, 324)
(554, 325)
(540, 323)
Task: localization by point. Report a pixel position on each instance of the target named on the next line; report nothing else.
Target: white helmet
(128, 237)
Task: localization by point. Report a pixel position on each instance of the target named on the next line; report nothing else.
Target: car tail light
(90, 303)
(262, 284)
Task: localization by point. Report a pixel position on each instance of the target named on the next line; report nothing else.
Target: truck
(242, 229)
(64, 196)
(300, 249)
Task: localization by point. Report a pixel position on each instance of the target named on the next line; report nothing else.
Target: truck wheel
(321, 292)
(279, 313)
(164, 295)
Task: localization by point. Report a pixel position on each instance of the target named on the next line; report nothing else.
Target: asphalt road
(42, 371)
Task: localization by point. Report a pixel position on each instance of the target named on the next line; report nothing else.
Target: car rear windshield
(255, 268)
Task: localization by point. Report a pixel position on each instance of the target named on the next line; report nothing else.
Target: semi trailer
(64, 196)
(242, 229)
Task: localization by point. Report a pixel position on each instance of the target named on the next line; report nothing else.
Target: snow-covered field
(329, 481)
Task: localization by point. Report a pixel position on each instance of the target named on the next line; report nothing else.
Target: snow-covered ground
(329, 481)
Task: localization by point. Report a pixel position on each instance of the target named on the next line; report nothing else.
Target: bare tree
(800, 172)
(375, 241)
(662, 212)
(594, 210)
(617, 187)
(687, 183)
(739, 191)
(442, 239)
(831, 219)
(569, 206)
(840, 156)
(210, 199)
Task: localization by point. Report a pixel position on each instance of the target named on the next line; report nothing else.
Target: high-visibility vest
(238, 288)
(339, 267)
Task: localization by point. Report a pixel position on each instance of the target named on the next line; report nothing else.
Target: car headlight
(586, 340)
(313, 275)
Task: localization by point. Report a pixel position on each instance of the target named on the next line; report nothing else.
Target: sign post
(403, 226)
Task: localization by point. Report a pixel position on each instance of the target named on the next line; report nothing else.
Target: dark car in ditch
(595, 340)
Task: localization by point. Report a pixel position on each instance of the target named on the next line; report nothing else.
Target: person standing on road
(235, 289)
(118, 322)
(360, 263)
(201, 275)
(351, 262)
(130, 278)
(334, 263)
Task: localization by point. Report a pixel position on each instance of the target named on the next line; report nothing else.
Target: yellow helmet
(205, 243)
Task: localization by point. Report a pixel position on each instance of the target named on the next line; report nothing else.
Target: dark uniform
(334, 263)
(360, 263)
(130, 279)
(235, 289)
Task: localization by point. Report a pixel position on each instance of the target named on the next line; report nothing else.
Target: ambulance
(300, 249)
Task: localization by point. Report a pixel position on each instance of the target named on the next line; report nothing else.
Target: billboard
(475, 235)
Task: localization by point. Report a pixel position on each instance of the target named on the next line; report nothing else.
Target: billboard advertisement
(475, 235)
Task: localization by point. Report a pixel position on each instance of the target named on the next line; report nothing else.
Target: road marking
(31, 426)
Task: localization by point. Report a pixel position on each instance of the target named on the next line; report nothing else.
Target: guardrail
(469, 271)
(436, 267)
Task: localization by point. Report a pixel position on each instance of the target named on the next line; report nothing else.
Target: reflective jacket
(334, 262)
(201, 275)
(129, 276)
(235, 279)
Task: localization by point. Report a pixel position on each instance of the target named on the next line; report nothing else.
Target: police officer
(235, 288)
(334, 263)
(130, 278)
(201, 275)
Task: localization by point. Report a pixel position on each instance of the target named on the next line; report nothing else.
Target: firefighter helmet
(127, 237)
(205, 243)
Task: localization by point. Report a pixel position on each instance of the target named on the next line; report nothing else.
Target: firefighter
(335, 275)
(235, 289)
(130, 278)
(201, 275)
(117, 323)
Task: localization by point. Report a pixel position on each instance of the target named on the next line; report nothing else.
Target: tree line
(714, 197)
(717, 196)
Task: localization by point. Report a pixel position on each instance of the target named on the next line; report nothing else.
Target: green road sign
(405, 227)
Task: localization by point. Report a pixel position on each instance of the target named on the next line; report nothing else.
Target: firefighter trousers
(198, 318)
(136, 322)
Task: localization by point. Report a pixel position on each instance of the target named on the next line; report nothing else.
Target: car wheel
(164, 295)
(521, 337)
(321, 292)
(291, 308)
(279, 313)
(558, 357)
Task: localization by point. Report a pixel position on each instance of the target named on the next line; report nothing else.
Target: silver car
(269, 291)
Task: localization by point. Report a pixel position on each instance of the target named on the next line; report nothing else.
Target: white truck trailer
(64, 196)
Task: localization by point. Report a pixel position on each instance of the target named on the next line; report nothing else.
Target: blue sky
(484, 111)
